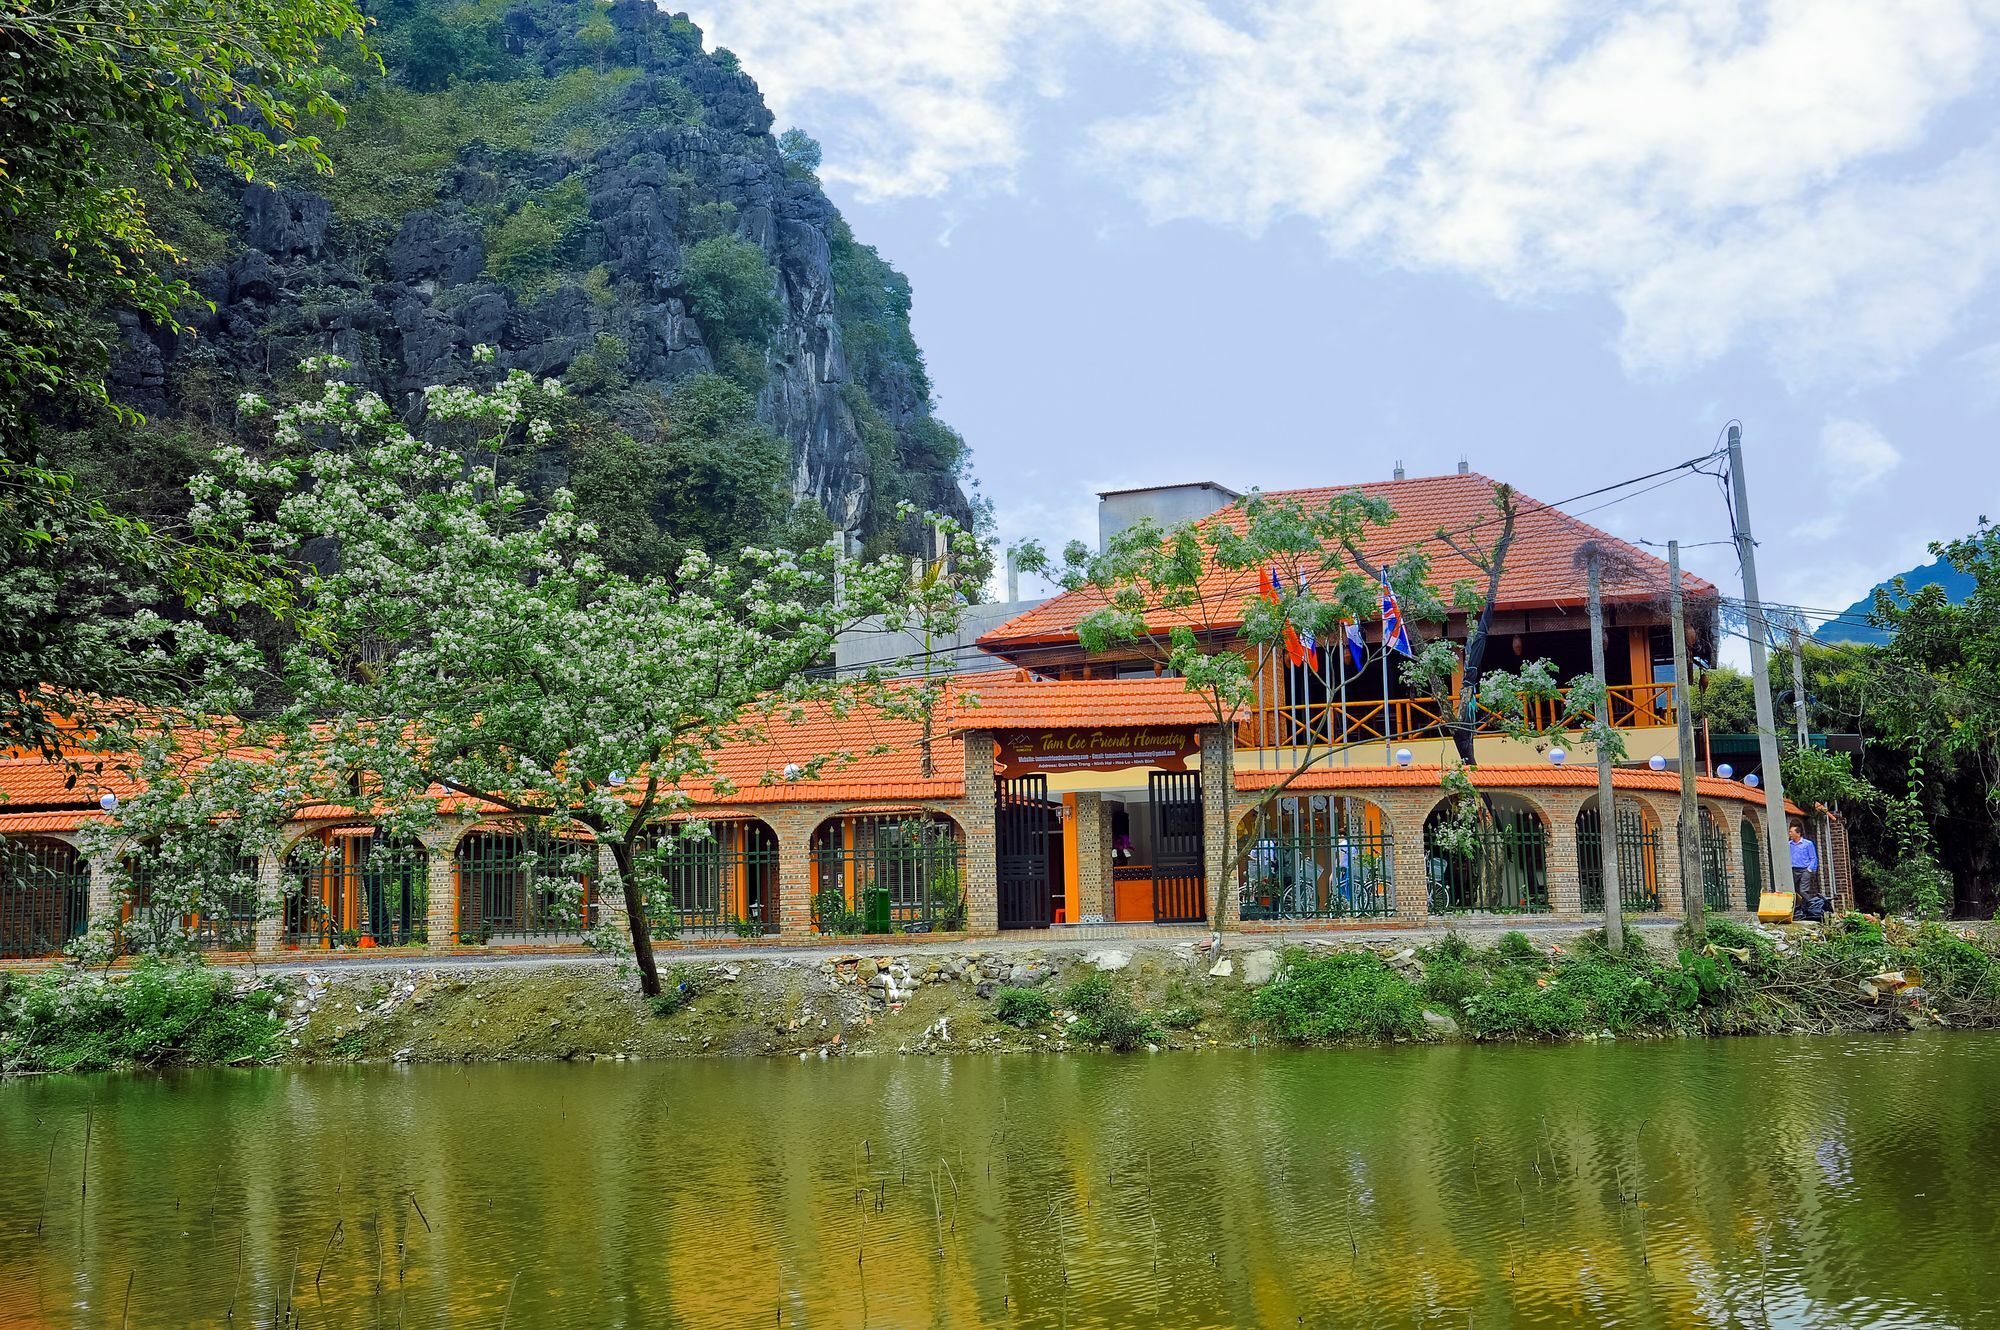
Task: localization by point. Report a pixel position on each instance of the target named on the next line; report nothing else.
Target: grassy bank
(1736, 980)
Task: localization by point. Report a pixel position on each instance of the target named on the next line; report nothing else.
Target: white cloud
(910, 97)
(1855, 456)
(1730, 173)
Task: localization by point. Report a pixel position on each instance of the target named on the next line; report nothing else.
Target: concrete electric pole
(1760, 669)
(1607, 814)
(1693, 895)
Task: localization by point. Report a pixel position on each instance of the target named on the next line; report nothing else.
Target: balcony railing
(1636, 706)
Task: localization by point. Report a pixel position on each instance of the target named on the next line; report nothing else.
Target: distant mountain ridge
(1852, 626)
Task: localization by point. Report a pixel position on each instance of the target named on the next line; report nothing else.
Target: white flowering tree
(458, 640)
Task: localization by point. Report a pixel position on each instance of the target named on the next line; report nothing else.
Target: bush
(680, 986)
(1021, 1008)
(1105, 1015)
(161, 1014)
(1347, 995)
(732, 289)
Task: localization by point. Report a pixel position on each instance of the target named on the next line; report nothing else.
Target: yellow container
(1775, 907)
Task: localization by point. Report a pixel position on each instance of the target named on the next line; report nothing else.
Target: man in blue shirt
(1805, 863)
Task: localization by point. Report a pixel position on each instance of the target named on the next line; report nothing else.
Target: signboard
(1024, 752)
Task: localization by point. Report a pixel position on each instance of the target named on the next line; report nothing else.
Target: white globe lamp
(108, 802)
(1557, 757)
(1403, 757)
(1752, 781)
(1725, 771)
(1656, 762)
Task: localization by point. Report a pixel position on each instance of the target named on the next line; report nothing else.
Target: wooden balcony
(1639, 706)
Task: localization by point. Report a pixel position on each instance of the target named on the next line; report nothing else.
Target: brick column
(1093, 854)
(1405, 813)
(982, 864)
(1218, 782)
(609, 893)
(794, 827)
(1561, 806)
(441, 885)
(270, 899)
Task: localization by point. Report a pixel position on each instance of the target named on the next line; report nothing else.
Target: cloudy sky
(1289, 242)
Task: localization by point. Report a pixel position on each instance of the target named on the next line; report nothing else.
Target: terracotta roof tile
(1008, 700)
(758, 769)
(1540, 571)
(28, 824)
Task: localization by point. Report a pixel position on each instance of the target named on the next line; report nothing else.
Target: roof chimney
(1399, 468)
(1464, 466)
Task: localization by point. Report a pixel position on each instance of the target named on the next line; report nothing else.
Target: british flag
(1394, 634)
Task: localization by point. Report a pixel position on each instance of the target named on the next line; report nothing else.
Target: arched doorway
(213, 905)
(44, 896)
(888, 872)
(721, 884)
(356, 887)
(524, 884)
(1714, 863)
(1637, 845)
(1499, 865)
(1755, 880)
(1321, 856)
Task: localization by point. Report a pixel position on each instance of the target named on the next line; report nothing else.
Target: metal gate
(1180, 867)
(1024, 826)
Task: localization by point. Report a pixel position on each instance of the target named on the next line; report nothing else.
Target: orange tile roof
(1010, 700)
(1545, 776)
(1540, 571)
(28, 824)
(757, 768)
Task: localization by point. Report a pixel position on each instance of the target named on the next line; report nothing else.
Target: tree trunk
(1466, 728)
(635, 918)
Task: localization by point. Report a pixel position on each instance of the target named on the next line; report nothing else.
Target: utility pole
(1607, 814)
(1799, 690)
(1693, 895)
(1760, 667)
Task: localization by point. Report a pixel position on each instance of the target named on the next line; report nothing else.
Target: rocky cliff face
(563, 162)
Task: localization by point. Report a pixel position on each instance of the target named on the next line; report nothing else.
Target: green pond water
(1809, 1182)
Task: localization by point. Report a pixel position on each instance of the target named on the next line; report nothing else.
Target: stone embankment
(805, 1005)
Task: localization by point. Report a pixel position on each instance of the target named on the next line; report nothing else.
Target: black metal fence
(230, 924)
(1714, 864)
(1756, 880)
(1317, 876)
(356, 889)
(723, 884)
(1505, 869)
(886, 874)
(1638, 851)
(522, 885)
(44, 896)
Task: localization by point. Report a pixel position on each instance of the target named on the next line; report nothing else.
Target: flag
(1394, 634)
(1356, 648)
(1299, 644)
(1273, 587)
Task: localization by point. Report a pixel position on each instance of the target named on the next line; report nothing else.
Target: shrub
(1520, 1006)
(1105, 1015)
(681, 985)
(1450, 976)
(162, 1014)
(1021, 1008)
(1515, 949)
(1347, 995)
(732, 289)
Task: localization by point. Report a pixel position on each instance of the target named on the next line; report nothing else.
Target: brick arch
(1321, 854)
(1508, 871)
(877, 869)
(1636, 844)
(44, 895)
(358, 890)
(514, 882)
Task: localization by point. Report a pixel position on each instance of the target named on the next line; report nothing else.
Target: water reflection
(1802, 1182)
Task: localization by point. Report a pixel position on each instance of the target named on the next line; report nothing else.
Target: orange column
(1639, 644)
(1070, 860)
